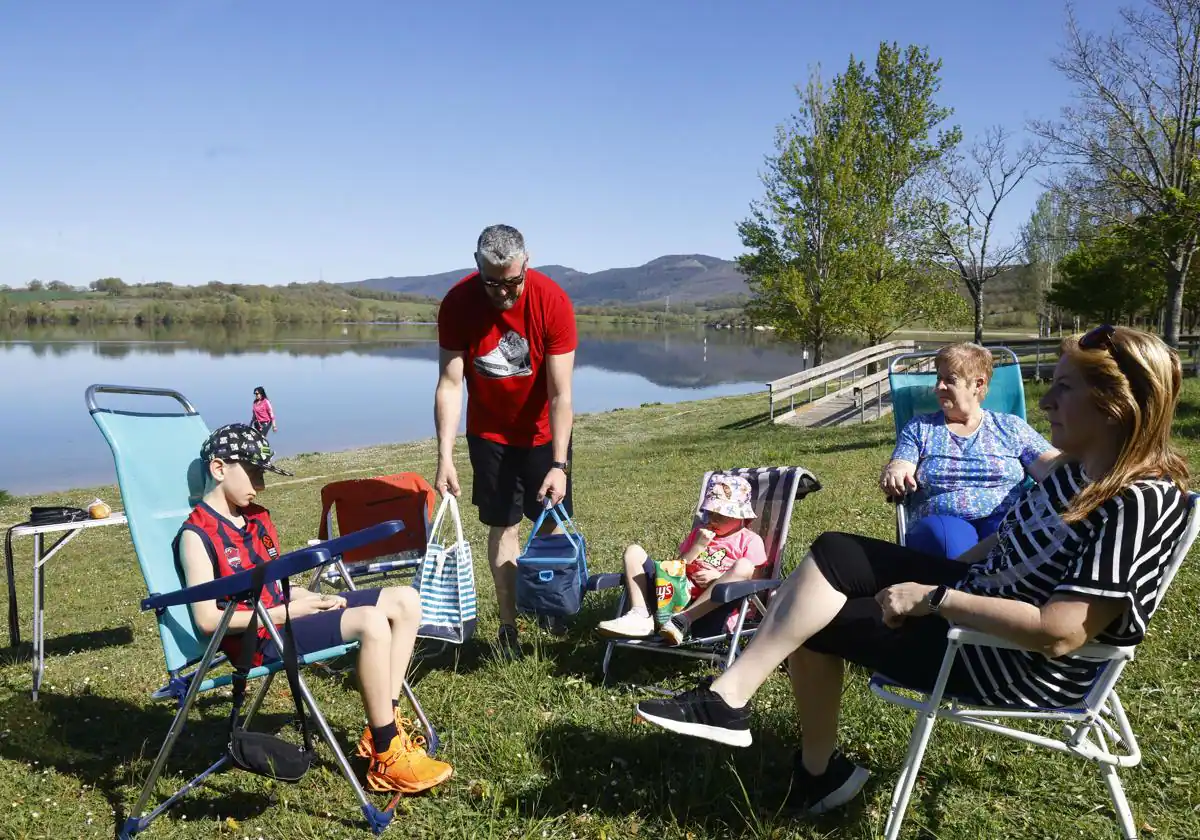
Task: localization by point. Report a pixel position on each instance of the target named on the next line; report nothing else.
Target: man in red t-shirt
(509, 332)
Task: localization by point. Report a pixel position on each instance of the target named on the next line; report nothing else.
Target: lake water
(333, 388)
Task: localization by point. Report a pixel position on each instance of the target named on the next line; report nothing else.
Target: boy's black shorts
(507, 479)
(322, 630)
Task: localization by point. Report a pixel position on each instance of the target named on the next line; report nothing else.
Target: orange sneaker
(366, 744)
(405, 768)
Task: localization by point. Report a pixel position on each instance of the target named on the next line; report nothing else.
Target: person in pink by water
(721, 550)
(262, 414)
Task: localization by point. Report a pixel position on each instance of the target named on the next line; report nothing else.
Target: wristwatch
(562, 465)
(936, 598)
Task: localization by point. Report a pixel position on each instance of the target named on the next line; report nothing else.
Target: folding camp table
(41, 555)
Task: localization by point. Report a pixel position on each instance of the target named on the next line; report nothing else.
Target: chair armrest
(357, 539)
(242, 584)
(611, 580)
(1092, 650)
(726, 593)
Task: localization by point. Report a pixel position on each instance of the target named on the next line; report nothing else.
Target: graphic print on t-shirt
(509, 358)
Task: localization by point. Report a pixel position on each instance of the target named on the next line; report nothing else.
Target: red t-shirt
(504, 350)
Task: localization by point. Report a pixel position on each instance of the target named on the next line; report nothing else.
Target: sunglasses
(507, 283)
(1099, 338)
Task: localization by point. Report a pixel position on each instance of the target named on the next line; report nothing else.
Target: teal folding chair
(911, 379)
(161, 479)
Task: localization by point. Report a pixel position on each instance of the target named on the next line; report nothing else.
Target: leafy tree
(113, 286)
(1132, 139)
(35, 285)
(1111, 278)
(59, 286)
(797, 266)
(831, 244)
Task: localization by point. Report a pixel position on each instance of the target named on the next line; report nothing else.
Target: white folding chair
(1097, 731)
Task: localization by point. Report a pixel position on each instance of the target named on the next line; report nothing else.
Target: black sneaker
(553, 625)
(508, 644)
(841, 782)
(700, 713)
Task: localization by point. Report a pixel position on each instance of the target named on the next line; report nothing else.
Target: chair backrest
(911, 379)
(773, 494)
(157, 456)
(362, 502)
(1181, 550)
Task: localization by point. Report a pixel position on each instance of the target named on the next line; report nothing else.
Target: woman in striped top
(1078, 558)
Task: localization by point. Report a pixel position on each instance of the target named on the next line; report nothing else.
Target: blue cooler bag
(552, 570)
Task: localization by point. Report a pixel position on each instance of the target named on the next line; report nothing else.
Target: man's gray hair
(500, 245)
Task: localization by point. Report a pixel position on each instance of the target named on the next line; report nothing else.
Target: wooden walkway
(851, 389)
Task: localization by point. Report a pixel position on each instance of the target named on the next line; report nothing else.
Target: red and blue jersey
(233, 550)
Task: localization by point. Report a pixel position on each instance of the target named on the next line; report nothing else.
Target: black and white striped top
(1120, 551)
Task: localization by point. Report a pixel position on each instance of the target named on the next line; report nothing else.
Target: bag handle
(559, 512)
(448, 503)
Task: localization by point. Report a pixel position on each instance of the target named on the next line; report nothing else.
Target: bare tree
(1132, 138)
(966, 194)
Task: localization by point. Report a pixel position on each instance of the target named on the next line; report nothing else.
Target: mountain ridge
(684, 278)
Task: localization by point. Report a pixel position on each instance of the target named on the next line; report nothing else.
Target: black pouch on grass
(37, 516)
(258, 752)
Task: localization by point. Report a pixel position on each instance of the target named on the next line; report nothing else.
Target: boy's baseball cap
(242, 443)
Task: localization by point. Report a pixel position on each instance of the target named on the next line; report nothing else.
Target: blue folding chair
(911, 379)
(161, 479)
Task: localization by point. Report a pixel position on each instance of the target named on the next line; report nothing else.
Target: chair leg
(1120, 803)
(908, 773)
(432, 739)
(378, 820)
(611, 646)
(263, 687)
(135, 822)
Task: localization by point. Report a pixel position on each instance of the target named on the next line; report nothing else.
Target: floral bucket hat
(728, 495)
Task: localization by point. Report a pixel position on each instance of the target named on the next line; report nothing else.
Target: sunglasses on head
(508, 283)
(1099, 338)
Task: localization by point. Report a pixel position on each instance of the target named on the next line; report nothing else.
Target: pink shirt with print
(722, 552)
(263, 412)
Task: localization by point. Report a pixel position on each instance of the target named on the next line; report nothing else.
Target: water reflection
(336, 387)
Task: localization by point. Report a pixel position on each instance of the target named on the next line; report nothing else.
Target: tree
(113, 286)
(1131, 141)
(830, 244)
(1111, 278)
(35, 285)
(897, 287)
(960, 216)
(59, 286)
(1048, 236)
(797, 266)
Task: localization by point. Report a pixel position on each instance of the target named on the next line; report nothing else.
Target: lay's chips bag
(670, 589)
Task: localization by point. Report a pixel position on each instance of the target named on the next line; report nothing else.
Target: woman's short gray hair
(500, 245)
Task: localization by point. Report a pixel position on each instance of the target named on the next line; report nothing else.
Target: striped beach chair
(774, 492)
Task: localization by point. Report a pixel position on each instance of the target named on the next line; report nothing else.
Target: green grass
(540, 749)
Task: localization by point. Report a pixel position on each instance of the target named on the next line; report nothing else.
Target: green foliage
(830, 248)
(1111, 278)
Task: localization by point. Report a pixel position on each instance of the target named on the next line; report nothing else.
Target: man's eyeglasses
(507, 283)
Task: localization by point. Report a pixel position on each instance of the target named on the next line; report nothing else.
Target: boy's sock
(395, 704)
(382, 736)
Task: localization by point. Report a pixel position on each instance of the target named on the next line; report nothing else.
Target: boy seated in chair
(227, 533)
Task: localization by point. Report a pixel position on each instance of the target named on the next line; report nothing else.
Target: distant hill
(684, 278)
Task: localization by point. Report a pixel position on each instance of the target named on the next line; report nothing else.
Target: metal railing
(839, 371)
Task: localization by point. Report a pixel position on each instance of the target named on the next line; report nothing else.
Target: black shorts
(911, 654)
(324, 629)
(507, 479)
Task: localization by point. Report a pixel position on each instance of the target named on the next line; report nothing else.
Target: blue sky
(265, 141)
